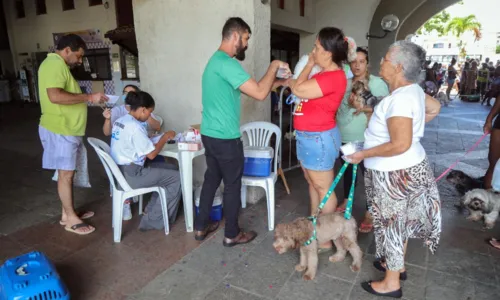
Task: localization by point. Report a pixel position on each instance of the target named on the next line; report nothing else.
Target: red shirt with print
(319, 114)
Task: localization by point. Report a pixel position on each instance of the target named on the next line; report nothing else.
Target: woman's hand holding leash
(488, 126)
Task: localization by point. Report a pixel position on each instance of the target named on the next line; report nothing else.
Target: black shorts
(496, 123)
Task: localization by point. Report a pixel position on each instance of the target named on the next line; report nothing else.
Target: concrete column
(175, 40)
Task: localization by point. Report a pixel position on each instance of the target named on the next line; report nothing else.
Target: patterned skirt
(404, 204)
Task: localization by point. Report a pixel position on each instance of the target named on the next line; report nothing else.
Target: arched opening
(411, 13)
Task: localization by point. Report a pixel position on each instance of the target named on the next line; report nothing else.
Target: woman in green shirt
(352, 123)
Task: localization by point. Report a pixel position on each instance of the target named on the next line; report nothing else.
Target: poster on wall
(88, 36)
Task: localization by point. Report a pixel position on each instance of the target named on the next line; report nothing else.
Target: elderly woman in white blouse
(400, 184)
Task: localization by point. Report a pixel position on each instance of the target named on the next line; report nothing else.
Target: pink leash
(466, 153)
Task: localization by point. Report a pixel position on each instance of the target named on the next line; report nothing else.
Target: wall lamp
(389, 23)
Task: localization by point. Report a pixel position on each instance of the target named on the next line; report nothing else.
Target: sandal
(378, 264)
(74, 229)
(492, 243)
(340, 209)
(82, 216)
(365, 227)
(367, 286)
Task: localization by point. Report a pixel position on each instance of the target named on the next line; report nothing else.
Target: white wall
(353, 17)
(176, 38)
(290, 18)
(26, 33)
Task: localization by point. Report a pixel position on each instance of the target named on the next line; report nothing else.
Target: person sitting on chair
(130, 146)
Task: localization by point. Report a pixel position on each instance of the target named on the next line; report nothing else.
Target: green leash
(350, 199)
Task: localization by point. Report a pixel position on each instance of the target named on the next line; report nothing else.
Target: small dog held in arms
(362, 97)
(331, 227)
(482, 203)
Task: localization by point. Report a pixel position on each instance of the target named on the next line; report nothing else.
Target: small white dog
(482, 203)
(442, 98)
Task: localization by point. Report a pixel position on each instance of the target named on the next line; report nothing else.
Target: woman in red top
(318, 138)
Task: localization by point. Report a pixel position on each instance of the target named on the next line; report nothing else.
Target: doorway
(285, 47)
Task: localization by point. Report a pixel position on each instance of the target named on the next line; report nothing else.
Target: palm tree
(460, 25)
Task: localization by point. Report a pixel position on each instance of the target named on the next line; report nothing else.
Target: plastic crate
(31, 277)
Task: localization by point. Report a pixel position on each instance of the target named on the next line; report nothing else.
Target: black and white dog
(463, 182)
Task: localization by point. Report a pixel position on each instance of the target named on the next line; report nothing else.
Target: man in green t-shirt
(63, 123)
(222, 83)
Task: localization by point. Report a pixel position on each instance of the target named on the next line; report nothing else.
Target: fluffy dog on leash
(442, 98)
(331, 227)
(482, 203)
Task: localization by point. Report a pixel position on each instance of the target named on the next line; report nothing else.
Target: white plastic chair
(159, 119)
(259, 135)
(122, 190)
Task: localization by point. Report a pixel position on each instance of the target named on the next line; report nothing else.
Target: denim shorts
(317, 151)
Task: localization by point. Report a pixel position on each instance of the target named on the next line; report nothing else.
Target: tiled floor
(153, 266)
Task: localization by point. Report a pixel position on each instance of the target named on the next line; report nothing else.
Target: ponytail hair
(139, 99)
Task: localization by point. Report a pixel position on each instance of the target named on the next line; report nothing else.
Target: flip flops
(74, 229)
(340, 209)
(365, 228)
(83, 216)
(491, 241)
(367, 286)
(378, 264)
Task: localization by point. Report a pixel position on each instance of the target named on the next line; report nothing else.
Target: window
(281, 4)
(96, 66)
(95, 2)
(41, 8)
(129, 65)
(20, 9)
(302, 8)
(68, 5)
(438, 46)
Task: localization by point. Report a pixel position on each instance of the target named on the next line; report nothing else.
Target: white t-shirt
(407, 101)
(129, 142)
(120, 110)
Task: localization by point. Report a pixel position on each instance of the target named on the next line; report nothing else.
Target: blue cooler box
(31, 276)
(216, 213)
(258, 161)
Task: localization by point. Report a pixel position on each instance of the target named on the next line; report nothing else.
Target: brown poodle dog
(332, 227)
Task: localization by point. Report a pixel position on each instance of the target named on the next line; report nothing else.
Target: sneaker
(127, 212)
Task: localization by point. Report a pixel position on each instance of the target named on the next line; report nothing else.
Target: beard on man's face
(240, 54)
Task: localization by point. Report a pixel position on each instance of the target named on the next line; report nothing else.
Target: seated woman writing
(130, 146)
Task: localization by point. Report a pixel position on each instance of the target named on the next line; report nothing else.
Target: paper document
(155, 139)
(112, 99)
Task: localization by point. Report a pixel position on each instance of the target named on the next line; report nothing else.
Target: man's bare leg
(65, 190)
